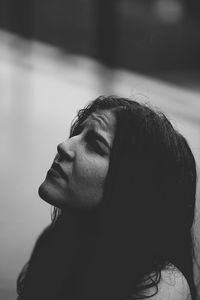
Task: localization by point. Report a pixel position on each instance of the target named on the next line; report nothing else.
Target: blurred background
(55, 56)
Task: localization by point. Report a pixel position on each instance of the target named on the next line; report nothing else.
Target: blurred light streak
(169, 11)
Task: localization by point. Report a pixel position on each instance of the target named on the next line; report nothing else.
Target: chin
(43, 192)
(49, 194)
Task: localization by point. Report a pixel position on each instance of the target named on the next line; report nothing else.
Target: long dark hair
(143, 224)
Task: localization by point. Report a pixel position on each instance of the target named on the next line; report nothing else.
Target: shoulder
(172, 286)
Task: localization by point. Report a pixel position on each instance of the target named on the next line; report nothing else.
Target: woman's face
(79, 170)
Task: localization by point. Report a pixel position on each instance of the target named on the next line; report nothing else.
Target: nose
(65, 152)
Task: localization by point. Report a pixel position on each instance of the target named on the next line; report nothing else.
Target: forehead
(105, 119)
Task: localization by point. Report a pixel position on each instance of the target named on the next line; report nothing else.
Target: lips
(57, 170)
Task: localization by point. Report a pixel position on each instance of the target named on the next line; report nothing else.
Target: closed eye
(95, 140)
(94, 143)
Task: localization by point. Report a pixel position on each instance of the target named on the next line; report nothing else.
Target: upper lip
(55, 166)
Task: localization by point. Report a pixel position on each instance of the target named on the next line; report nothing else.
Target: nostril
(57, 158)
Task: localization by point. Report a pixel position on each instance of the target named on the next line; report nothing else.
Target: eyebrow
(101, 119)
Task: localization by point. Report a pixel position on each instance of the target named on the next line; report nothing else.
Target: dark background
(140, 35)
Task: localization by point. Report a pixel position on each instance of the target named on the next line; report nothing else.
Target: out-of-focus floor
(41, 89)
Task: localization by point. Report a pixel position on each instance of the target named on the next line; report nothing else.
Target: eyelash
(92, 141)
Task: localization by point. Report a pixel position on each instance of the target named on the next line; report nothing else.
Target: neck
(83, 221)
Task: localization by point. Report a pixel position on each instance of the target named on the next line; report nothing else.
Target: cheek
(89, 179)
(94, 172)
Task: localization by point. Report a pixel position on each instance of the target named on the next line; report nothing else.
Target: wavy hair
(146, 217)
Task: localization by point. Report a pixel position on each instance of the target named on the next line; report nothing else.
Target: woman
(123, 186)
